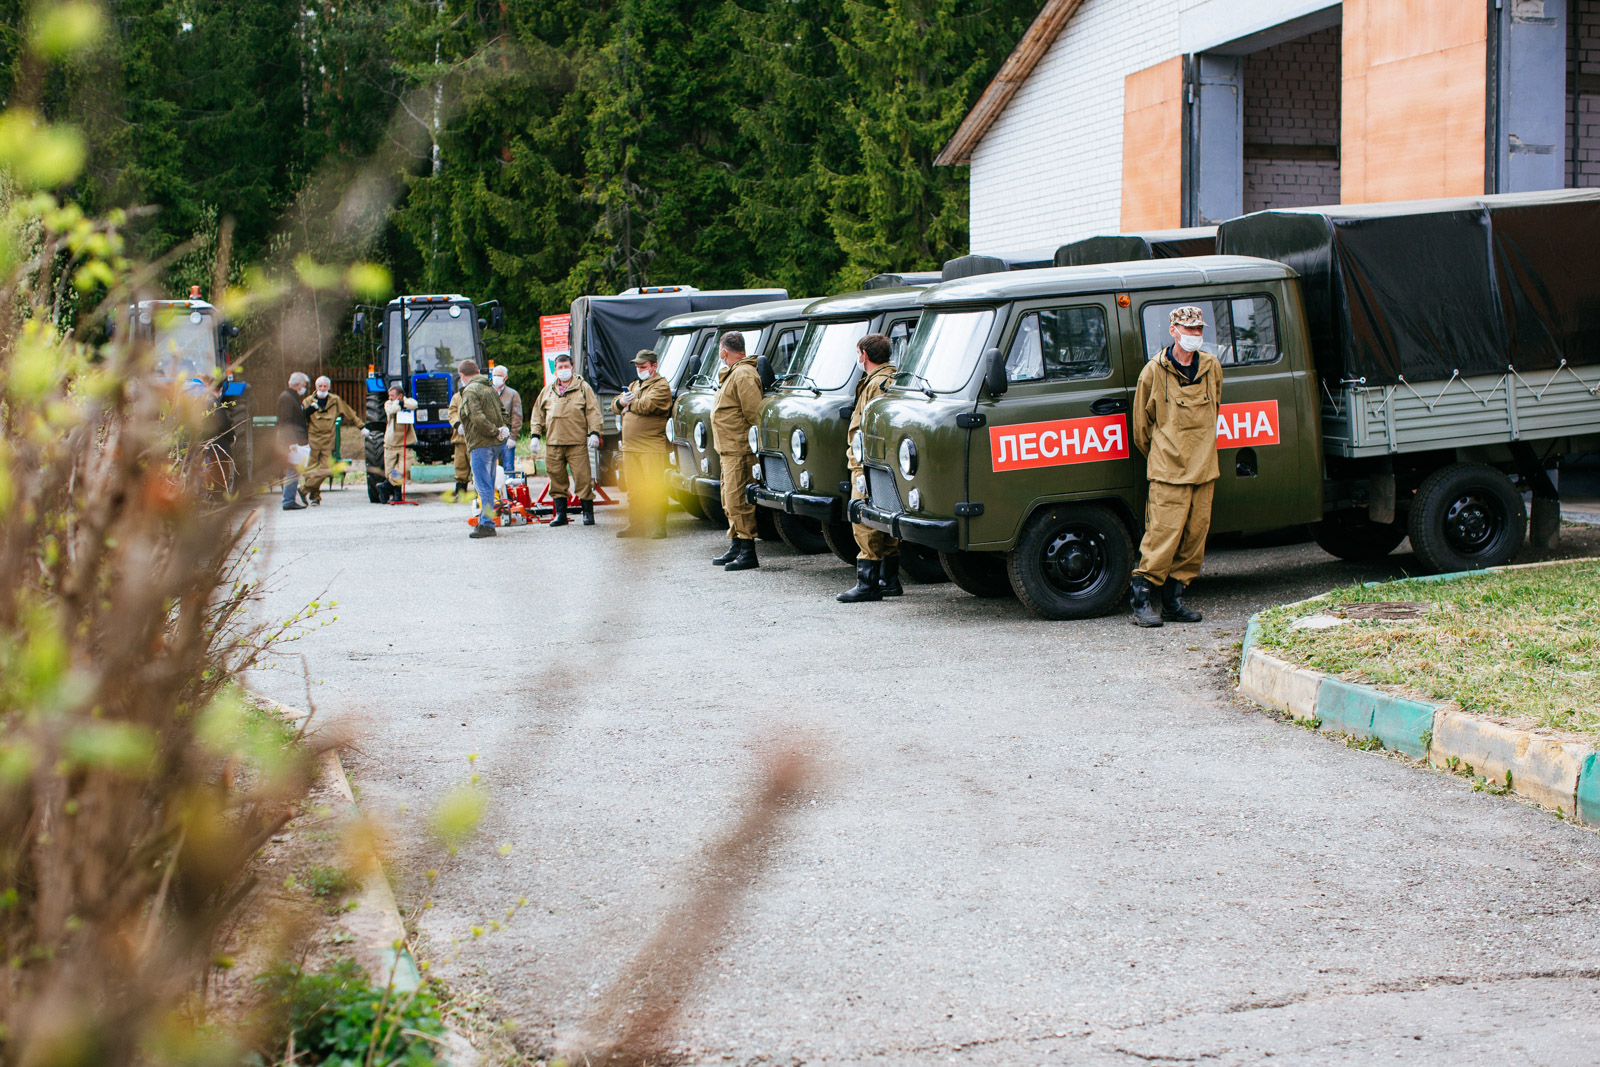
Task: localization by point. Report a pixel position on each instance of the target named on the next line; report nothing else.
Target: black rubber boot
(889, 576)
(660, 529)
(483, 529)
(588, 512)
(385, 492)
(461, 487)
(728, 556)
(868, 572)
(1173, 609)
(561, 512)
(746, 559)
(1143, 613)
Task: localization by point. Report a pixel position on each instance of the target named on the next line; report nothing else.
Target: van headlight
(700, 436)
(908, 457)
(755, 439)
(797, 445)
(858, 447)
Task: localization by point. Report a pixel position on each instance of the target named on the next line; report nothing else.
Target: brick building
(1149, 114)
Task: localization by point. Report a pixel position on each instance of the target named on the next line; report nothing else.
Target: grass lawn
(1515, 643)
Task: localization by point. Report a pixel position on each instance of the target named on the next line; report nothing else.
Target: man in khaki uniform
(644, 409)
(458, 441)
(568, 414)
(878, 554)
(397, 437)
(511, 400)
(1175, 426)
(323, 409)
(733, 412)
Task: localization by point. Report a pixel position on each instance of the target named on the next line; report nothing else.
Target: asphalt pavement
(1029, 842)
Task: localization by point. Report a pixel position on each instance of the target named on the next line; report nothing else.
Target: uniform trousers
(557, 458)
(318, 469)
(393, 458)
(646, 473)
(735, 477)
(463, 463)
(870, 544)
(1176, 521)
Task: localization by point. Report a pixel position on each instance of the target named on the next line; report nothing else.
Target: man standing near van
(1175, 426)
(483, 422)
(878, 554)
(645, 408)
(733, 412)
(566, 410)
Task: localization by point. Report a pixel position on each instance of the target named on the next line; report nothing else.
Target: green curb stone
(1589, 790)
(1362, 712)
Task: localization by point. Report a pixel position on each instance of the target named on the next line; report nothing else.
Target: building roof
(1136, 275)
(1013, 72)
(864, 304)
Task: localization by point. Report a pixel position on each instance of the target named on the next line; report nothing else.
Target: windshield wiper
(927, 386)
(799, 379)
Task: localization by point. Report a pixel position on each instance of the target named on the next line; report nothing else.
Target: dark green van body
(979, 467)
(771, 330)
(807, 475)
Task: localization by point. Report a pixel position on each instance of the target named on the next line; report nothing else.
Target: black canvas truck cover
(1150, 244)
(609, 330)
(980, 263)
(1426, 289)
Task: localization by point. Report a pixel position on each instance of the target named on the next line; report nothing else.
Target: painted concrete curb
(1560, 775)
(379, 933)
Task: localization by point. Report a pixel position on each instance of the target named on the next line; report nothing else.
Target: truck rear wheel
(1073, 561)
(1350, 534)
(1466, 517)
(922, 563)
(841, 538)
(798, 532)
(983, 574)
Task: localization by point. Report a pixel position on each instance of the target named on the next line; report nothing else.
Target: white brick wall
(1583, 109)
(1291, 97)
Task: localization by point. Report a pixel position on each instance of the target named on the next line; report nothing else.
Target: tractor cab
(189, 343)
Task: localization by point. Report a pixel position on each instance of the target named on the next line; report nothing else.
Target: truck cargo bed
(1376, 420)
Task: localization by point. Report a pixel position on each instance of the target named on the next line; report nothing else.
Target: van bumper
(941, 534)
(825, 509)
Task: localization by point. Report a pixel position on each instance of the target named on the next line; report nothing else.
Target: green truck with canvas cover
(772, 333)
(1391, 370)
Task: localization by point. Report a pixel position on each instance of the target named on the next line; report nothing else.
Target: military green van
(804, 474)
(680, 350)
(772, 332)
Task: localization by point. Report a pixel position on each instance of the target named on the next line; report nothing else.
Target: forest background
(575, 146)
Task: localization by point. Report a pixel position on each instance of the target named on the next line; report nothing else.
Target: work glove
(533, 445)
(594, 440)
(365, 432)
(502, 433)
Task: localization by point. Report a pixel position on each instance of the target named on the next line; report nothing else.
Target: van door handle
(1109, 405)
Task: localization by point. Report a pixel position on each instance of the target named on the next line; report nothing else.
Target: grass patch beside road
(1517, 643)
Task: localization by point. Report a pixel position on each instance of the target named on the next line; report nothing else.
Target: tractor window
(392, 342)
(439, 337)
(184, 342)
(1240, 330)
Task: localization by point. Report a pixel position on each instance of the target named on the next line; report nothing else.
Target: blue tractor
(419, 341)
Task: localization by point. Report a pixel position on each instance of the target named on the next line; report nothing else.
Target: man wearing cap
(645, 408)
(1175, 426)
(733, 412)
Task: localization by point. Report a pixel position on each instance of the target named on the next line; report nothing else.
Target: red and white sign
(1247, 425)
(555, 339)
(1051, 444)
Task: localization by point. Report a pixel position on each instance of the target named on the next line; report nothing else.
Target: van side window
(1240, 330)
(899, 338)
(1059, 344)
(783, 352)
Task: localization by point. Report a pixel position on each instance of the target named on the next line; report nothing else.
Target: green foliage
(337, 1017)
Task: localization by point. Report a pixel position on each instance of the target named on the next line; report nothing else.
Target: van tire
(1350, 534)
(798, 532)
(922, 564)
(1466, 517)
(690, 503)
(841, 537)
(1073, 561)
(714, 513)
(983, 574)
(767, 525)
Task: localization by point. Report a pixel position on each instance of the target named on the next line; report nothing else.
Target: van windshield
(944, 350)
(672, 351)
(828, 354)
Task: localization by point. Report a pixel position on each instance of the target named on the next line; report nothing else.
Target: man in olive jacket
(1175, 426)
(567, 417)
(644, 409)
(483, 423)
(733, 412)
(878, 554)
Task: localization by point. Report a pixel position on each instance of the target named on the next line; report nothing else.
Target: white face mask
(564, 374)
(499, 383)
(644, 375)
(1191, 342)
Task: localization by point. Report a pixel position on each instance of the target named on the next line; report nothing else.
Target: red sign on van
(1051, 444)
(1247, 425)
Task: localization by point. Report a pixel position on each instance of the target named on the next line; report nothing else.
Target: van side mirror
(768, 377)
(994, 372)
(359, 325)
(497, 318)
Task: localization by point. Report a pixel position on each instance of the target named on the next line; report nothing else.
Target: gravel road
(1029, 842)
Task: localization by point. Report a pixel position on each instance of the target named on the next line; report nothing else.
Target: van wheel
(714, 513)
(841, 537)
(1349, 534)
(1466, 517)
(690, 502)
(982, 574)
(798, 532)
(766, 524)
(922, 564)
(1072, 562)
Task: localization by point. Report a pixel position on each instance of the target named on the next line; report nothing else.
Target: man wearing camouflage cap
(1175, 426)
